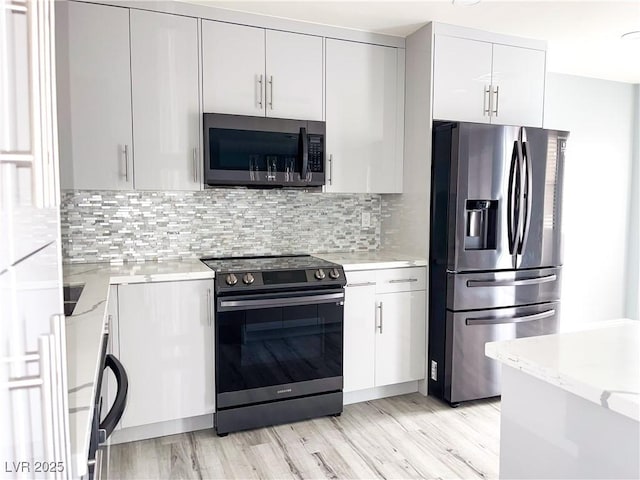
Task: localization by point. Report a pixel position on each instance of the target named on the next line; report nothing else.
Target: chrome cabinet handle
(404, 280)
(380, 316)
(486, 109)
(261, 91)
(195, 164)
(330, 179)
(497, 92)
(209, 306)
(271, 91)
(361, 284)
(126, 162)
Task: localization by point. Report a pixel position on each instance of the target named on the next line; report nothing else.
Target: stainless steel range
(278, 340)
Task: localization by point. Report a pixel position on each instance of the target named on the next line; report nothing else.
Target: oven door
(272, 346)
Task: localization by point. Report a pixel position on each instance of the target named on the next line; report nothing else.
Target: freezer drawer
(474, 291)
(473, 375)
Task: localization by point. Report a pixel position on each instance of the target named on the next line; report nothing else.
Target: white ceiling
(583, 36)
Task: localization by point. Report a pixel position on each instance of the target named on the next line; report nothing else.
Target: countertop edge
(626, 404)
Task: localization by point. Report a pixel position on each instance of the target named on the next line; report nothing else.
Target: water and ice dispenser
(480, 227)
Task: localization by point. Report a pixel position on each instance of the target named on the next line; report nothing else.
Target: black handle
(117, 409)
(303, 147)
(512, 199)
(527, 198)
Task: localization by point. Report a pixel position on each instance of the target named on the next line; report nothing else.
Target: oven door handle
(229, 305)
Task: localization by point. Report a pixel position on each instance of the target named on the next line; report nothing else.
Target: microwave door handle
(303, 146)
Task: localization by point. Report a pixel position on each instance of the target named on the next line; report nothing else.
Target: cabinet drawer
(362, 278)
(401, 280)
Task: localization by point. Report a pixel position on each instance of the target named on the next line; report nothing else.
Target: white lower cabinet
(166, 346)
(401, 337)
(384, 327)
(359, 332)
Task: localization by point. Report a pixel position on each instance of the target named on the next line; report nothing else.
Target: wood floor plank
(409, 436)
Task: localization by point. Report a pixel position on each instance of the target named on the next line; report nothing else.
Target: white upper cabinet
(94, 96)
(166, 112)
(294, 76)
(461, 79)
(480, 81)
(518, 75)
(253, 71)
(364, 117)
(233, 68)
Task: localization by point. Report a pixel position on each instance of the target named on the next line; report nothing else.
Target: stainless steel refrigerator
(495, 251)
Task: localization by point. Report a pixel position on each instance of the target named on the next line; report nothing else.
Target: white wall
(633, 271)
(600, 116)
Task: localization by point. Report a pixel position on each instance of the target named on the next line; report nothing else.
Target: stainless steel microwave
(263, 152)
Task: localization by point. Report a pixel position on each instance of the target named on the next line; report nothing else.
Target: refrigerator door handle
(527, 199)
(512, 198)
(512, 283)
(514, 319)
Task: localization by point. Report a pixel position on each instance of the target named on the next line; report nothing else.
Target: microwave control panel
(316, 153)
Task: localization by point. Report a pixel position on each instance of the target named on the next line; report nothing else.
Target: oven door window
(273, 346)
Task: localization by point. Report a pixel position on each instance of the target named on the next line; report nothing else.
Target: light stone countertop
(373, 260)
(85, 329)
(600, 363)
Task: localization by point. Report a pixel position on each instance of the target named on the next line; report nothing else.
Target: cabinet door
(166, 113)
(94, 96)
(401, 342)
(294, 75)
(461, 74)
(166, 346)
(362, 94)
(359, 331)
(233, 68)
(518, 73)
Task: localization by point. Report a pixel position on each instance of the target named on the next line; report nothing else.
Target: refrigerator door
(473, 375)
(497, 193)
(486, 290)
(481, 159)
(539, 242)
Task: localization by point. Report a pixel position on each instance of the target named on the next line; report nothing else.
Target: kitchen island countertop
(600, 363)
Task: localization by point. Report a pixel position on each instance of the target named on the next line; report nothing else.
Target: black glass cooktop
(261, 264)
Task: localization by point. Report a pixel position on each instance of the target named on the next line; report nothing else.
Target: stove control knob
(334, 273)
(248, 278)
(231, 279)
(320, 274)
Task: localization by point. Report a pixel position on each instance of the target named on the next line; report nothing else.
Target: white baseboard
(161, 429)
(423, 387)
(379, 392)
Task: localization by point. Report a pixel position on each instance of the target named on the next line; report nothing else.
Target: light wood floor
(408, 436)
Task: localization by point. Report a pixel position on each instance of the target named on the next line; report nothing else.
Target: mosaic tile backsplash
(109, 226)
